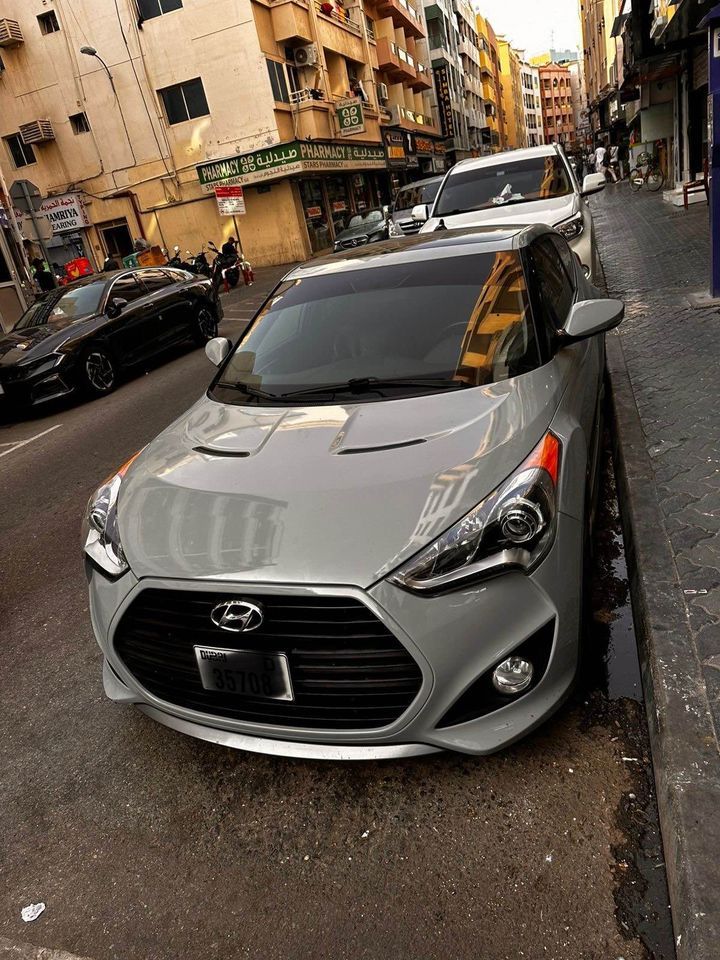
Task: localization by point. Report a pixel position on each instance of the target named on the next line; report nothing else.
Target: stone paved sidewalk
(666, 395)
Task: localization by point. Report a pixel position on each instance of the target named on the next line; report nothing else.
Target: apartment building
(602, 61)
(512, 96)
(495, 138)
(579, 100)
(557, 107)
(444, 37)
(532, 108)
(132, 114)
(473, 103)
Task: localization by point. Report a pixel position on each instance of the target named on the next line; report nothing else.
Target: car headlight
(512, 527)
(572, 227)
(100, 533)
(43, 365)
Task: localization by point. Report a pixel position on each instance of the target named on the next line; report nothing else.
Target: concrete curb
(682, 737)
(24, 951)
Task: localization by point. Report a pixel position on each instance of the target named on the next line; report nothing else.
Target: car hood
(550, 211)
(34, 342)
(337, 494)
(362, 230)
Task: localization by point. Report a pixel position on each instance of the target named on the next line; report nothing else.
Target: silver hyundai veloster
(366, 539)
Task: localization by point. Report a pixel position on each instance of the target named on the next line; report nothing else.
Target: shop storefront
(412, 156)
(333, 182)
(68, 248)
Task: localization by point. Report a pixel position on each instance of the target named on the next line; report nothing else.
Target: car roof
(421, 183)
(507, 156)
(490, 238)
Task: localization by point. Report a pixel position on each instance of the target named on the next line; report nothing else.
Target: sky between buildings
(534, 25)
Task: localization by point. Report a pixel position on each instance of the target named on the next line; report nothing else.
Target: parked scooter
(194, 264)
(225, 270)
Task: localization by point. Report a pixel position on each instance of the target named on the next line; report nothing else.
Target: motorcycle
(197, 264)
(225, 270)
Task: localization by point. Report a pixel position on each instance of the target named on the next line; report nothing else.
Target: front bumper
(28, 388)
(454, 639)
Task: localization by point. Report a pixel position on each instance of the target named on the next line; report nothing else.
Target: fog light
(513, 675)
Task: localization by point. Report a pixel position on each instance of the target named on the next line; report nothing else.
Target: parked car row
(367, 538)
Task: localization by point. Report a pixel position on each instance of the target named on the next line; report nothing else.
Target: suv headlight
(572, 227)
(512, 527)
(100, 534)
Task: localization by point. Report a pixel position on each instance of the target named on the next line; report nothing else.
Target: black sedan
(83, 336)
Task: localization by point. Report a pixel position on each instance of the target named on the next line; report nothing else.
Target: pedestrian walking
(623, 158)
(613, 162)
(599, 158)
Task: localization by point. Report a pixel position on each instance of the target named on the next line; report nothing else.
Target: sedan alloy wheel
(99, 371)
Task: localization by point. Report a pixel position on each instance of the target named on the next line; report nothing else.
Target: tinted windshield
(416, 193)
(538, 178)
(71, 305)
(461, 318)
(360, 219)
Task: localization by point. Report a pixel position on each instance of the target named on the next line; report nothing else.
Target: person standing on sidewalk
(599, 158)
(613, 163)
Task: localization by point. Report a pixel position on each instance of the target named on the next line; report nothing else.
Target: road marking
(24, 443)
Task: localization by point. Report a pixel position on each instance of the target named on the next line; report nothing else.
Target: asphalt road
(148, 845)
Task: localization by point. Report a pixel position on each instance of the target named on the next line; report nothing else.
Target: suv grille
(348, 671)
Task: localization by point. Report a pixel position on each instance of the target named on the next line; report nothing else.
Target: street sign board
(230, 200)
(26, 195)
(65, 213)
(350, 116)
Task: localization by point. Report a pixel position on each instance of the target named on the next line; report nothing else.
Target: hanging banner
(230, 200)
(65, 213)
(443, 94)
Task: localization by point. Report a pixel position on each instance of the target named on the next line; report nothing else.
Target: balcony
(469, 50)
(396, 61)
(291, 20)
(337, 31)
(423, 80)
(403, 15)
(409, 120)
(486, 64)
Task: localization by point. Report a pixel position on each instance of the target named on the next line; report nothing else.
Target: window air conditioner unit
(305, 56)
(382, 92)
(38, 131)
(10, 33)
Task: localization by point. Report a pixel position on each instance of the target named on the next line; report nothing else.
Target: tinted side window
(567, 257)
(555, 289)
(127, 288)
(154, 280)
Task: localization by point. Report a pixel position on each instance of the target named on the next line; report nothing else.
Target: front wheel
(656, 178)
(636, 179)
(98, 372)
(205, 327)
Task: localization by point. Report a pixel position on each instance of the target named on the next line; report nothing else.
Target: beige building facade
(512, 96)
(311, 107)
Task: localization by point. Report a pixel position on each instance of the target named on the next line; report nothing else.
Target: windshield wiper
(245, 388)
(483, 206)
(370, 384)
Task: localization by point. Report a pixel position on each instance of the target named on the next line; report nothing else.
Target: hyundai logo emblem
(238, 616)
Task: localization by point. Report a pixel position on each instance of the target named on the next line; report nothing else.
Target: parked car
(536, 185)
(370, 226)
(408, 197)
(85, 335)
(367, 538)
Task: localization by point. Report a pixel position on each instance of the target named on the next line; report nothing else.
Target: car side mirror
(115, 307)
(217, 350)
(593, 183)
(420, 213)
(590, 317)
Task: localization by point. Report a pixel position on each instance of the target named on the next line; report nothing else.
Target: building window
(184, 101)
(48, 22)
(79, 123)
(22, 153)
(155, 8)
(276, 72)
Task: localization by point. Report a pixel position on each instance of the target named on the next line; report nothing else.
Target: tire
(636, 179)
(656, 178)
(205, 326)
(233, 276)
(99, 371)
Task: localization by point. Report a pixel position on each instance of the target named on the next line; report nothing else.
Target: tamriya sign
(65, 213)
(287, 159)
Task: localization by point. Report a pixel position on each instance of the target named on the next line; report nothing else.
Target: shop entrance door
(116, 238)
(316, 216)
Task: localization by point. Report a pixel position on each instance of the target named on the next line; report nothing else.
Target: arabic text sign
(65, 213)
(230, 200)
(288, 159)
(350, 116)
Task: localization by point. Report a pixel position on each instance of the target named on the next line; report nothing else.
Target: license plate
(244, 673)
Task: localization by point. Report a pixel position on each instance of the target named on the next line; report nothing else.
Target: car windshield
(451, 322)
(416, 193)
(71, 305)
(518, 181)
(360, 219)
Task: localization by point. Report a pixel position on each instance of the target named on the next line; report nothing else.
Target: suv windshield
(410, 196)
(512, 181)
(448, 323)
(71, 305)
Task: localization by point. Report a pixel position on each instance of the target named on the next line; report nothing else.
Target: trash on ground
(32, 912)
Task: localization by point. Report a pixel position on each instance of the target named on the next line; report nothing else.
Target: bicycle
(653, 177)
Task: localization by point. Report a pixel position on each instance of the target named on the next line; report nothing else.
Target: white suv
(538, 183)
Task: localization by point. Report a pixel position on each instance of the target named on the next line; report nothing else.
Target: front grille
(353, 242)
(348, 671)
(409, 227)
